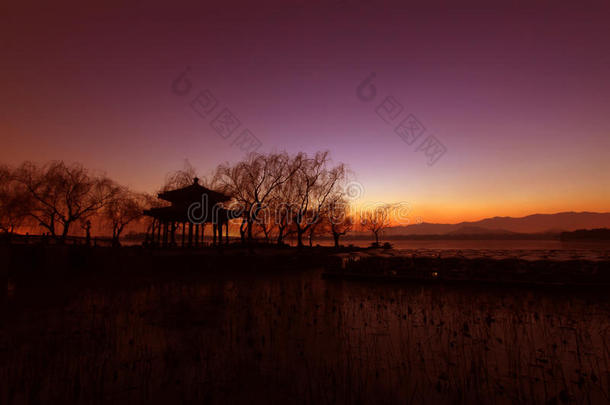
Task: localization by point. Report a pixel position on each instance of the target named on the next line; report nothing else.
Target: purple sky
(519, 95)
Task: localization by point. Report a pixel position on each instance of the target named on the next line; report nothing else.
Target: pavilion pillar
(183, 226)
(159, 232)
(173, 224)
(214, 234)
(165, 233)
(176, 230)
(190, 234)
(197, 235)
(227, 233)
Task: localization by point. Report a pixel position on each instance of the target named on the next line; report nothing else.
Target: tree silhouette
(252, 182)
(376, 219)
(180, 178)
(125, 208)
(340, 220)
(313, 183)
(14, 201)
(62, 194)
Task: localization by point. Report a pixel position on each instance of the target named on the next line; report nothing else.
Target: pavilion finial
(195, 180)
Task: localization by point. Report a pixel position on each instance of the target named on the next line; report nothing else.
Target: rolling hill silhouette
(536, 223)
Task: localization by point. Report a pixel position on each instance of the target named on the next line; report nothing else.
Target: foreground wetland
(233, 335)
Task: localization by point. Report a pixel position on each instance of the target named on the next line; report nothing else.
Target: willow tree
(180, 178)
(341, 222)
(62, 194)
(253, 181)
(14, 201)
(125, 208)
(312, 184)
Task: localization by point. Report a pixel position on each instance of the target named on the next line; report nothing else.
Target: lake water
(482, 244)
(455, 244)
(292, 337)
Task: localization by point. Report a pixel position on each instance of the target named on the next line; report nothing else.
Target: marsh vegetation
(293, 337)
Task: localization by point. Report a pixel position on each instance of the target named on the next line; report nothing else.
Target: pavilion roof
(193, 193)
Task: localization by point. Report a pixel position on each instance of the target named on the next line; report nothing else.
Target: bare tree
(149, 201)
(338, 217)
(173, 180)
(318, 228)
(14, 202)
(283, 221)
(265, 221)
(283, 210)
(180, 178)
(313, 183)
(62, 194)
(125, 208)
(376, 219)
(253, 181)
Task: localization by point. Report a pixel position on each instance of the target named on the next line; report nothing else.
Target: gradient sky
(519, 95)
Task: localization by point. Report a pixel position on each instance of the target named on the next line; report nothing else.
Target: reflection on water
(299, 338)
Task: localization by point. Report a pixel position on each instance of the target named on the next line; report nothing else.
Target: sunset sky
(519, 95)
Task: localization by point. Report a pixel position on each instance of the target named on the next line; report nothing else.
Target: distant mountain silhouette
(536, 223)
(478, 230)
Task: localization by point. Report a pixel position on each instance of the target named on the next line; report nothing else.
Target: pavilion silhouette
(192, 206)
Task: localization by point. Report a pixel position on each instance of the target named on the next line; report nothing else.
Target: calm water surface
(488, 244)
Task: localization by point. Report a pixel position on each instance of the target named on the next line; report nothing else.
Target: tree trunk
(114, 236)
(299, 237)
(336, 238)
(242, 232)
(51, 227)
(280, 236)
(65, 231)
(117, 241)
(249, 229)
(376, 237)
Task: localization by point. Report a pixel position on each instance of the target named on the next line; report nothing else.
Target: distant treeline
(587, 234)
